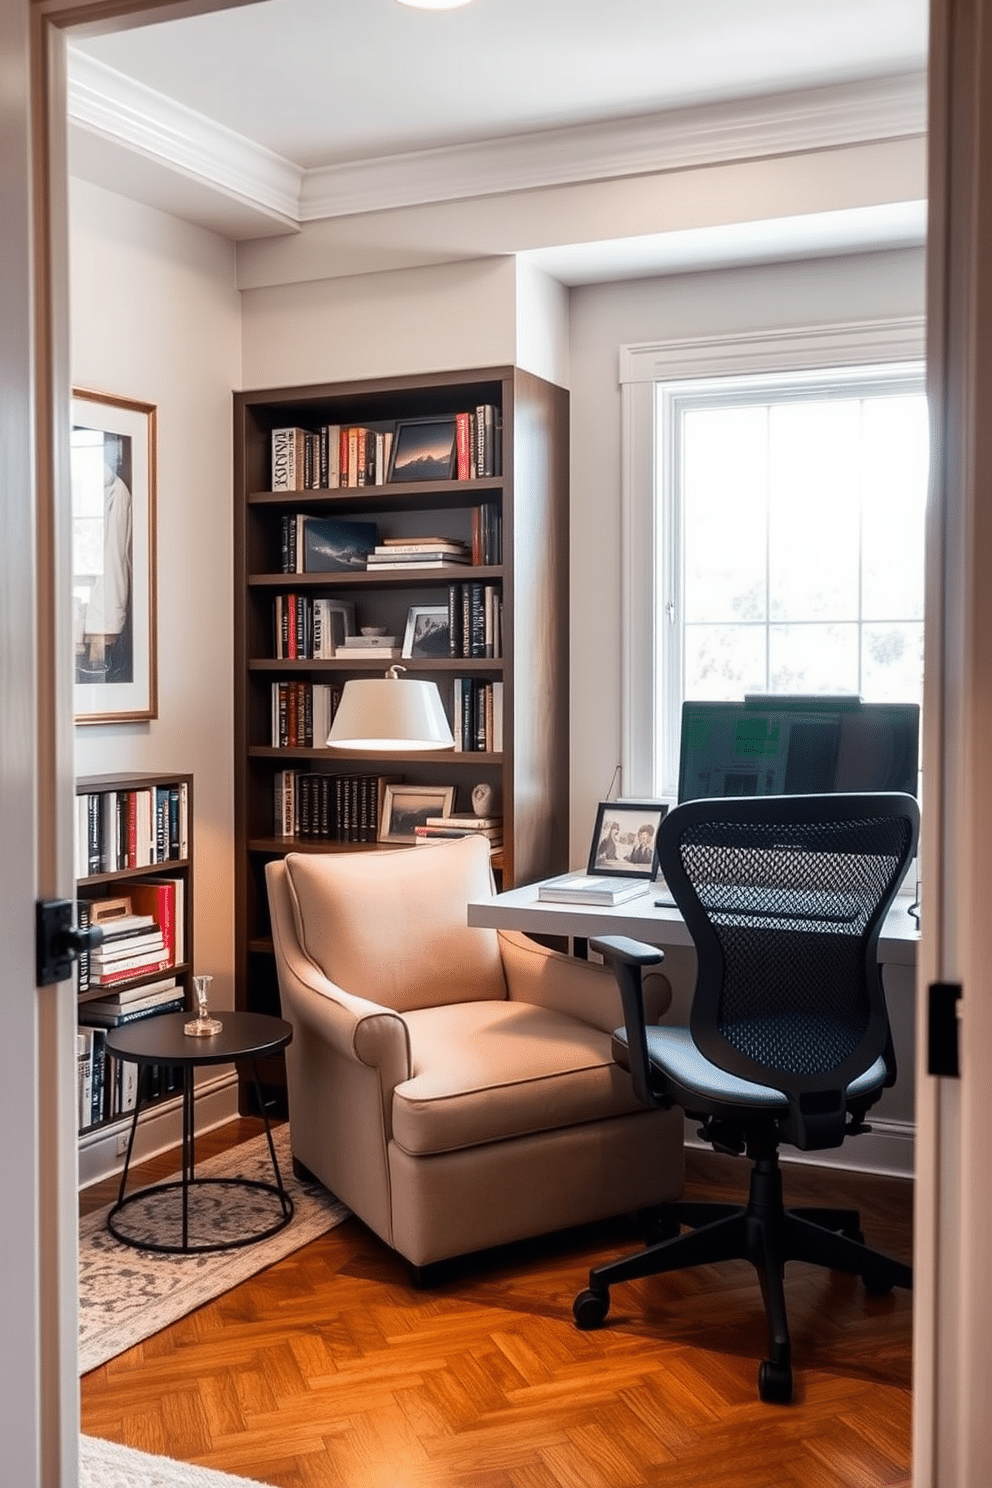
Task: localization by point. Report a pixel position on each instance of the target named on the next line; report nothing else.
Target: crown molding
(108, 104)
(847, 343)
(748, 128)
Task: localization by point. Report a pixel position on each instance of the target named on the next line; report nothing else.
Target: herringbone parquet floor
(330, 1370)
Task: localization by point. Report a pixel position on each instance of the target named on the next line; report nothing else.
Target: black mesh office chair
(788, 1037)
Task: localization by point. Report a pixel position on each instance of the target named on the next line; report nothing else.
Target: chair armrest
(567, 984)
(629, 960)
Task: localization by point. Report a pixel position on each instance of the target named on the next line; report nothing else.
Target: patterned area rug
(104, 1464)
(125, 1295)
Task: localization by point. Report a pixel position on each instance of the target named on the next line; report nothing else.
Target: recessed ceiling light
(434, 4)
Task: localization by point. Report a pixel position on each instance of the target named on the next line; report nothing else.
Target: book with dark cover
(83, 963)
(133, 1015)
(332, 545)
(454, 620)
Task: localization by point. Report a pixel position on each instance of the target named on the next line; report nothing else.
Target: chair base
(763, 1232)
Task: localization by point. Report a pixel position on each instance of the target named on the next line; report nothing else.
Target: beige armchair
(454, 1086)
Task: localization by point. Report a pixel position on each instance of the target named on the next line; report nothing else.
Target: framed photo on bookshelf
(405, 807)
(625, 839)
(112, 470)
(423, 450)
(428, 631)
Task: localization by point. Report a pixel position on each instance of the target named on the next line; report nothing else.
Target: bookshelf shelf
(418, 579)
(528, 502)
(141, 847)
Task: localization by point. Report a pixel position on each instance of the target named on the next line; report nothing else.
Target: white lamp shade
(390, 713)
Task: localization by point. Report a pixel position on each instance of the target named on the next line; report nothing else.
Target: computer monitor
(770, 745)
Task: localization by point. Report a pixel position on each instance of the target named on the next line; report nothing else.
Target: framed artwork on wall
(112, 468)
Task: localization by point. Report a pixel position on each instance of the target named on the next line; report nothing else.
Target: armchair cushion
(487, 1071)
(410, 947)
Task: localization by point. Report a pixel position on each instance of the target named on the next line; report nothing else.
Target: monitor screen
(789, 746)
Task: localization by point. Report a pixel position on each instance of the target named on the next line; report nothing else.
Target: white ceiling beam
(105, 103)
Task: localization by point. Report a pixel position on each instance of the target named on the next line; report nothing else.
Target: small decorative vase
(202, 1025)
(482, 799)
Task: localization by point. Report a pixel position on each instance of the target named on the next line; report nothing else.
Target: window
(775, 543)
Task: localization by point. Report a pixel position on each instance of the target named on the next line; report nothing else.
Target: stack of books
(378, 647)
(418, 552)
(131, 1003)
(437, 828)
(133, 944)
(585, 888)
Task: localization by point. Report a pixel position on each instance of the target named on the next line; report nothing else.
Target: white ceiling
(255, 119)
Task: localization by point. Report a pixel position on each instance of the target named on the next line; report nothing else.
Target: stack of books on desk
(583, 888)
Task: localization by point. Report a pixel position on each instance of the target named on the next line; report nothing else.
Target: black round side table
(161, 1041)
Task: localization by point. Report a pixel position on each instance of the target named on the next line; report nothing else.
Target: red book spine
(159, 900)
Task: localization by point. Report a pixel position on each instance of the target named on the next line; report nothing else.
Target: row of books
(131, 828)
(475, 620)
(302, 713)
(335, 808)
(143, 933)
(331, 457)
(310, 629)
(106, 1086)
(477, 715)
(463, 446)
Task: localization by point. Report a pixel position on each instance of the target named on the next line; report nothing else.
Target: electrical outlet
(121, 1143)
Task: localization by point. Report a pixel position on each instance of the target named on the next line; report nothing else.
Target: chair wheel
(590, 1308)
(774, 1382)
(877, 1288)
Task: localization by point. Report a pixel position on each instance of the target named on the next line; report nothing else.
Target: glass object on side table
(202, 1024)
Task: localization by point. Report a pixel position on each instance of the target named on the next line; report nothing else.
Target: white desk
(642, 919)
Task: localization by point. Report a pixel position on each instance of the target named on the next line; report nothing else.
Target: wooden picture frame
(423, 450)
(625, 839)
(112, 468)
(405, 807)
(428, 632)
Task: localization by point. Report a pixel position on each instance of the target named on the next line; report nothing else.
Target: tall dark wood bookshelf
(530, 773)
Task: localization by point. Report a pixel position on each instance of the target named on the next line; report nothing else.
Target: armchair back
(392, 926)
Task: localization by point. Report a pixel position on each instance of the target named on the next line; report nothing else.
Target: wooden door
(953, 1298)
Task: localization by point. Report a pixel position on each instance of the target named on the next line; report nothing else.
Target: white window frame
(648, 712)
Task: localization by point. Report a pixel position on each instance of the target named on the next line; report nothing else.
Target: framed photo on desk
(625, 839)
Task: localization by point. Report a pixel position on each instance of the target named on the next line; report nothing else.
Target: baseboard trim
(159, 1128)
(887, 1150)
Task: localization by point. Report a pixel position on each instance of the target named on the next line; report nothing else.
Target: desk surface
(642, 919)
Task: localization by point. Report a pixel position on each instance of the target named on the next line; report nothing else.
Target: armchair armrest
(566, 984)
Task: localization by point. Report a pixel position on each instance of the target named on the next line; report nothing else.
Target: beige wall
(155, 315)
(428, 319)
